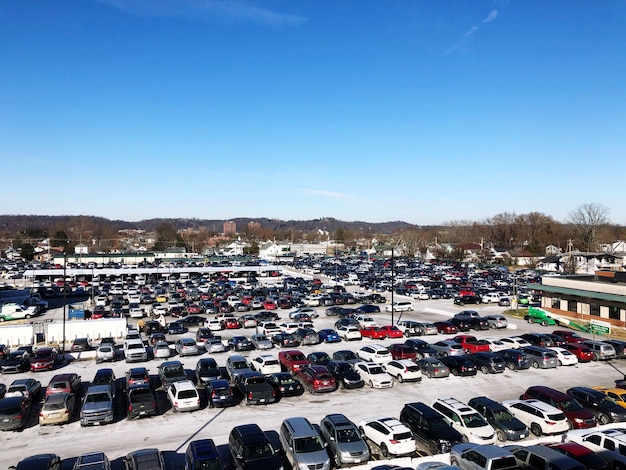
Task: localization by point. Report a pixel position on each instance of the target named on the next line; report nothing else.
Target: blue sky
(422, 111)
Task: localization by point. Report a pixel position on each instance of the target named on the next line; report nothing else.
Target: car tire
(454, 461)
(604, 419)
(433, 448)
(511, 366)
(429, 374)
(384, 450)
(536, 365)
(371, 384)
(484, 370)
(544, 323)
(400, 378)
(535, 429)
(500, 435)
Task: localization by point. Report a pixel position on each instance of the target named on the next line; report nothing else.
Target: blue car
(176, 328)
(329, 336)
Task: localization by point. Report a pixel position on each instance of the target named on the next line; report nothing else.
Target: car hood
(263, 464)
(512, 424)
(97, 406)
(353, 447)
(312, 459)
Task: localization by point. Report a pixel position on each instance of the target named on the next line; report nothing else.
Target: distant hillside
(13, 224)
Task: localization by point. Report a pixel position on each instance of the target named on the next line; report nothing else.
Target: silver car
(426, 328)
(215, 345)
(345, 443)
(261, 341)
(186, 347)
(448, 348)
(161, 350)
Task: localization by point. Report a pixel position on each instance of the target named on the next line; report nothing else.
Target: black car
(346, 355)
(508, 428)
(515, 359)
(14, 412)
(251, 449)
(318, 358)
(176, 328)
(140, 401)
(285, 384)
(266, 315)
(40, 462)
(285, 340)
(345, 375)
(347, 322)
(462, 324)
(219, 393)
(14, 362)
(202, 454)
(207, 370)
(430, 428)
(489, 362)
(368, 308)
(619, 345)
(477, 323)
(193, 320)
(604, 409)
(240, 343)
(422, 348)
(538, 339)
(468, 299)
(81, 344)
(461, 365)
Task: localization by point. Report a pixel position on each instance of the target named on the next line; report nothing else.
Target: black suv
(251, 449)
(489, 362)
(515, 359)
(605, 410)
(429, 427)
(508, 428)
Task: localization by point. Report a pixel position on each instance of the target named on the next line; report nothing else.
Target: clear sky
(425, 111)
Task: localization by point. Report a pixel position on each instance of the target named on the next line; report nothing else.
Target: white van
(184, 396)
(403, 306)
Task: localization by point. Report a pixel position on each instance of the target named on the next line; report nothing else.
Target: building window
(555, 302)
(572, 306)
(614, 312)
(594, 310)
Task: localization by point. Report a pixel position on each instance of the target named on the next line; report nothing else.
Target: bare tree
(587, 220)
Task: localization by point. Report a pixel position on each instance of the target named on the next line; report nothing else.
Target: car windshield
(474, 420)
(298, 357)
(259, 451)
(570, 405)
(308, 444)
(502, 415)
(376, 370)
(43, 355)
(348, 435)
(240, 365)
(97, 397)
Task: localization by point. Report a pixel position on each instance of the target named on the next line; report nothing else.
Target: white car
(399, 307)
(465, 419)
(105, 352)
(404, 370)
(135, 311)
(310, 311)
(289, 327)
(374, 353)
(366, 321)
(496, 345)
(349, 333)
(421, 296)
(373, 374)
(540, 417)
(312, 301)
(161, 350)
(266, 364)
(515, 342)
(183, 396)
(268, 328)
(213, 324)
(565, 357)
(390, 435)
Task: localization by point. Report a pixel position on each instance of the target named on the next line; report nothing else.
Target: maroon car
(446, 328)
(402, 351)
(317, 379)
(582, 352)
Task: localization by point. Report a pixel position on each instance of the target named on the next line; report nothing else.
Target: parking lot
(171, 432)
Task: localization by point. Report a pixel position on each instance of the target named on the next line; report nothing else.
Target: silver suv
(346, 445)
(303, 445)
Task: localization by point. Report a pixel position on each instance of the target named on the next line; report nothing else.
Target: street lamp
(64, 298)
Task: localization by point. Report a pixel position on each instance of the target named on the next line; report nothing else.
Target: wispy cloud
(493, 14)
(202, 10)
(469, 34)
(324, 193)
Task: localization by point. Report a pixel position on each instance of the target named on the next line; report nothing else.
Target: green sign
(599, 327)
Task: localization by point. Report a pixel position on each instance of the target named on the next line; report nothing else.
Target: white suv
(389, 434)
(184, 396)
(373, 374)
(466, 420)
(374, 353)
(399, 307)
(540, 417)
(610, 444)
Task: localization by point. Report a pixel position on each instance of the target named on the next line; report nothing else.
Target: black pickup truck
(255, 388)
(141, 401)
(170, 372)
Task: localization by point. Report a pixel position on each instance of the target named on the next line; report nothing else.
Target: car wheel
(535, 429)
(529, 320)
(604, 419)
(454, 372)
(454, 461)
(500, 435)
(429, 374)
(484, 370)
(337, 461)
(544, 323)
(384, 450)
(400, 378)
(560, 363)
(371, 384)
(433, 448)
(464, 439)
(536, 365)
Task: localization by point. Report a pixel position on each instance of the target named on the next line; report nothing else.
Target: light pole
(64, 298)
(393, 284)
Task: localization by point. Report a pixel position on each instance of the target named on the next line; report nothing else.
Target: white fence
(92, 329)
(16, 335)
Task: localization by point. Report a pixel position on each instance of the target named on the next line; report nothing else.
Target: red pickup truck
(471, 344)
(293, 360)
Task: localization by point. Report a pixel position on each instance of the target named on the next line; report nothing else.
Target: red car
(392, 331)
(269, 305)
(569, 336)
(293, 360)
(402, 351)
(446, 327)
(43, 359)
(373, 332)
(582, 352)
(231, 323)
(317, 379)
(584, 455)
(194, 308)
